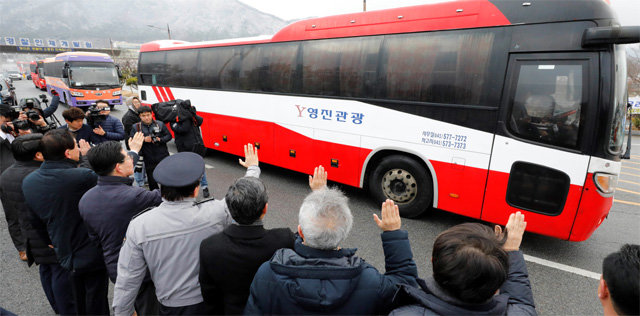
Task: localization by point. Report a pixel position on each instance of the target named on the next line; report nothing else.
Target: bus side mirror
(119, 72)
(66, 72)
(610, 35)
(627, 153)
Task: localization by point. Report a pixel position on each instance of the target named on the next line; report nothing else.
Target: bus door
(536, 162)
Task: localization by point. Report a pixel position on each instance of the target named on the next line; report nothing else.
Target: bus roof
(83, 56)
(428, 17)
(48, 60)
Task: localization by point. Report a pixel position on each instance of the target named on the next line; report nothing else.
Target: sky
(628, 10)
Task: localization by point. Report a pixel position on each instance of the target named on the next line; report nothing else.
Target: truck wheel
(405, 181)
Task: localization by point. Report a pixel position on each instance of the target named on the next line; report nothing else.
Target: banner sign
(10, 41)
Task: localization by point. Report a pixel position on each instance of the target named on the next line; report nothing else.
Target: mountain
(127, 20)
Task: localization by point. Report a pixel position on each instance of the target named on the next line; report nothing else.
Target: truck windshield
(93, 75)
(620, 101)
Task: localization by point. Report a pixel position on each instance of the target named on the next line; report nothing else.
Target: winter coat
(230, 259)
(113, 131)
(187, 133)
(153, 153)
(128, 119)
(305, 280)
(6, 156)
(53, 193)
(33, 229)
(107, 210)
(515, 298)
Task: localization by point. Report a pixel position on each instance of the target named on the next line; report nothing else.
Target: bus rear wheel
(405, 181)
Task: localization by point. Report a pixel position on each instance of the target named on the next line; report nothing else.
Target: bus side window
(547, 103)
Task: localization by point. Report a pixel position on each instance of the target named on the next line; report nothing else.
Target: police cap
(179, 170)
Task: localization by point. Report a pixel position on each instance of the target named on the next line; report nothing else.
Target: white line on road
(562, 267)
(208, 166)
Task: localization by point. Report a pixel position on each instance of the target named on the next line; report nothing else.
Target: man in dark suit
(229, 260)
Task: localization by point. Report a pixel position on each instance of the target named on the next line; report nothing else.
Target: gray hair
(325, 218)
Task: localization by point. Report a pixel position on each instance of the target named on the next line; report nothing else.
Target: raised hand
(390, 217)
(319, 179)
(84, 146)
(135, 142)
(250, 156)
(515, 229)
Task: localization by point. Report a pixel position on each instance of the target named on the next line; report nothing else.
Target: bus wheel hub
(399, 185)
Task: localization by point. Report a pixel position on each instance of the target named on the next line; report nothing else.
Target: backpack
(166, 111)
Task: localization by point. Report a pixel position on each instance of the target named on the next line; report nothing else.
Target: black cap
(179, 170)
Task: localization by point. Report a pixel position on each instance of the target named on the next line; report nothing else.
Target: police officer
(166, 239)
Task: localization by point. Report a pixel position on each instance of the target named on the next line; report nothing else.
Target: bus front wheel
(405, 181)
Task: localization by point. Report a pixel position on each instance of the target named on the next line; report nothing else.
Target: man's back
(306, 280)
(229, 260)
(107, 210)
(167, 240)
(53, 193)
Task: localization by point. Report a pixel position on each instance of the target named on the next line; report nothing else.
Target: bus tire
(405, 181)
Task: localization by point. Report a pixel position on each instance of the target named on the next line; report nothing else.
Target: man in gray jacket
(166, 239)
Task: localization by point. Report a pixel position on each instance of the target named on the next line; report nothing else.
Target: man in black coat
(156, 137)
(108, 208)
(6, 160)
(53, 193)
(128, 120)
(74, 117)
(27, 150)
(186, 129)
(229, 260)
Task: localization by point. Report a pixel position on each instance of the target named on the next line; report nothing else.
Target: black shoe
(205, 193)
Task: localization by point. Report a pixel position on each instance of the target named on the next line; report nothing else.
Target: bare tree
(633, 70)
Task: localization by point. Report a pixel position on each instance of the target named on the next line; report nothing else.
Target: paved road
(556, 291)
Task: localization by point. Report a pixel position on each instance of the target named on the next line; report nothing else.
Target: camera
(95, 119)
(43, 98)
(17, 126)
(139, 165)
(31, 103)
(154, 132)
(33, 115)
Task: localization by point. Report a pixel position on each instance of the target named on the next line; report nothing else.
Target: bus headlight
(77, 94)
(605, 182)
(115, 93)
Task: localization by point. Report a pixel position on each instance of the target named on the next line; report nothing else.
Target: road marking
(631, 174)
(630, 168)
(562, 267)
(628, 191)
(625, 202)
(627, 181)
(208, 166)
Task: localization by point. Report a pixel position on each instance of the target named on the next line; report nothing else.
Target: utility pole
(168, 31)
(364, 5)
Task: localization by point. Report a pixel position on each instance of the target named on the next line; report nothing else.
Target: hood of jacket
(432, 297)
(316, 279)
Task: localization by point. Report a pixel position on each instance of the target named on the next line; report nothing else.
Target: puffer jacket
(515, 298)
(305, 280)
(113, 131)
(33, 229)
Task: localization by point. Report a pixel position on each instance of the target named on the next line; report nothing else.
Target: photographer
(35, 116)
(156, 137)
(105, 127)
(7, 114)
(188, 136)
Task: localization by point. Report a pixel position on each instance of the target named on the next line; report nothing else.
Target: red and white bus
(37, 74)
(479, 108)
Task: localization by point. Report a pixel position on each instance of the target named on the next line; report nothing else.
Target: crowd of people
(80, 219)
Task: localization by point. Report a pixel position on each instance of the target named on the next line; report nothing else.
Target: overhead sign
(25, 41)
(52, 43)
(76, 44)
(88, 45)
(10, 41)
(38, 42)
(64, 44)
(43, 49)
(635, 106)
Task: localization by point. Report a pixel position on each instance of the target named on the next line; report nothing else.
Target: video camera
(17, 126)
(95, 119)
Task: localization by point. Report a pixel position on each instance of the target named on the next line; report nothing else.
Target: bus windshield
(620, 101)
(93, 74)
